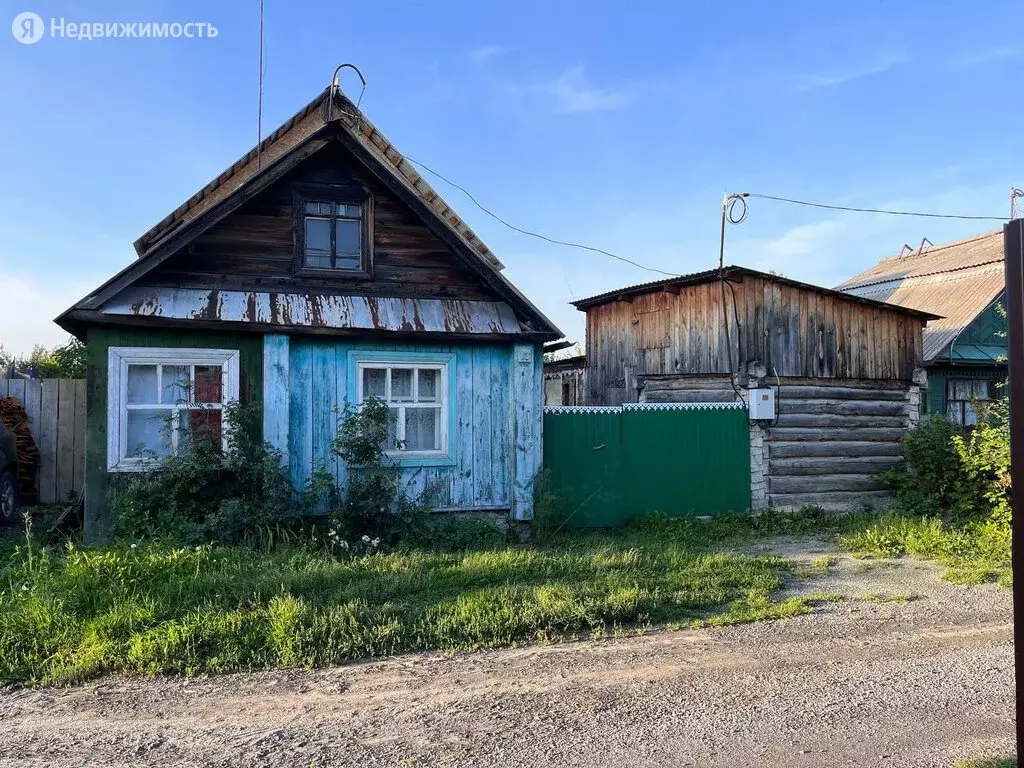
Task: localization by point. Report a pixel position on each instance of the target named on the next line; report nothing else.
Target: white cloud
(573, 92)
(29, 306)
(1001, 53)
(485, 52)
(877, 66)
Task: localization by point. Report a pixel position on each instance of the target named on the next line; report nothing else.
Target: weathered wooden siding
(56, 418)
(253, 247)
(497, 416)
(250, 346)
(831, 440)
(791, 330)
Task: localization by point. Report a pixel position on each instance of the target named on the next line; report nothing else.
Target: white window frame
(118, 360)
(401, 405)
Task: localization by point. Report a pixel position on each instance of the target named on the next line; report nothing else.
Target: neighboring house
(319, 269)
(565, 381)
(964, 350)
(843, 368)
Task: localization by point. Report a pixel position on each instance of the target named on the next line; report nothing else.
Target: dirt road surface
(866, 681)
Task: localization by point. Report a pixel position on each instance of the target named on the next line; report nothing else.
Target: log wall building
(847, 372)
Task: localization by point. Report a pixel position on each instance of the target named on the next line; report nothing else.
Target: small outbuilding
(845, 372)
(319, 269)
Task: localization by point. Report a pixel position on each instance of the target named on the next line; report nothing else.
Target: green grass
(990, 762)
(973, 551)
(80, 612)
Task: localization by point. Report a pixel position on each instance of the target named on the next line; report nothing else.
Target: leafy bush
(208, 493)
(374, 502)
(932, 482)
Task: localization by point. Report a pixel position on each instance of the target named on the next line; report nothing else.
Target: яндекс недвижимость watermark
(29, 27)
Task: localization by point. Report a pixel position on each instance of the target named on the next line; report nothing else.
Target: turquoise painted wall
(496, 418)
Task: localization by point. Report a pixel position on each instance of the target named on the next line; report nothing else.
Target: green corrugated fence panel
(607, 465)
(582, 459)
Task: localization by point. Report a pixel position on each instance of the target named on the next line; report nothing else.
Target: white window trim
(443, 405)
(118, 360)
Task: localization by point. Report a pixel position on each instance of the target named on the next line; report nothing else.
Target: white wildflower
(366, 539)
(343, 544)
(375, 542)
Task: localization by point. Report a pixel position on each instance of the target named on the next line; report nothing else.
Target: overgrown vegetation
(64, 361)
(74, 613)
(208, 492)
(953, 502)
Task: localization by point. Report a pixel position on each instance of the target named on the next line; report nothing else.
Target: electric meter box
(762, 404)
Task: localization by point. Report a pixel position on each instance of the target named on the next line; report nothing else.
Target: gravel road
(923, 681)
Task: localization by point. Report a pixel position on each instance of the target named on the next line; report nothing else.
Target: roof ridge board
(943, 246)
(849, 286)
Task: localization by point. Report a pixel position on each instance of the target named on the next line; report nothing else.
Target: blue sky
(615, 124)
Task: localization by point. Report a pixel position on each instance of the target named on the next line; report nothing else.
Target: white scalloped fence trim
(644, 407)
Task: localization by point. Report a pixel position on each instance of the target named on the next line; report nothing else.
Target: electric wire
(537, 235)
(876, 210)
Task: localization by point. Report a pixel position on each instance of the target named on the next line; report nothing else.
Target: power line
(878, 210)
(539, 236)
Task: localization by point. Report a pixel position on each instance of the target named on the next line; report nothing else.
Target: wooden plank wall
(56, 413)
(793, 331)
(253, 247)
(497, 403)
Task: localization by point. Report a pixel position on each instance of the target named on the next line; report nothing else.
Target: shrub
(931, 483)
(208, 493)
(374, 502)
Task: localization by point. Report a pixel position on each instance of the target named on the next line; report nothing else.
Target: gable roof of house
(958, 281)
(697, 278)
(330, 116)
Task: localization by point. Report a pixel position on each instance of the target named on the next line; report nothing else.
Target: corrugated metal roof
(318, 311)
(712, 274)
(957, 280)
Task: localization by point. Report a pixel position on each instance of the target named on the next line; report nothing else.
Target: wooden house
(965, 350)
(845, 370)
(317, 269)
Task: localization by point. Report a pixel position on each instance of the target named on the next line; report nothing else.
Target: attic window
(332, 231)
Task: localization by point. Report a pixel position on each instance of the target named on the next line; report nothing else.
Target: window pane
(142, 384)
(325, 209)
(318, 242)
(401, 384)
(422, 429)
(392, 443)
(200, 424)
(209, 386)
(352, 211)
(149, 433)
(312, 207)
(428, 389)
(174, 379)
(374, 382)
(347, 238)
(981, 389)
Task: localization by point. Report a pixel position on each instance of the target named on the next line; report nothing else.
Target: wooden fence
(56, 413)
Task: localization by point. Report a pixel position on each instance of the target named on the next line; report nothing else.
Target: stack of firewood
(14, 417)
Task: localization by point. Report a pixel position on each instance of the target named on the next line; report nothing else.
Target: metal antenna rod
(1014, 194)
(259, 101)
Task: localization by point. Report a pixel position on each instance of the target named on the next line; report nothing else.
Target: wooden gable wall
(793, 330)
(253, 248)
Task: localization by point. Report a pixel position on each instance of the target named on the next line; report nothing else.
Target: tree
(61, 362)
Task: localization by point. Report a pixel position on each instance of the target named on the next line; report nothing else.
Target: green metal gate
(605, 465)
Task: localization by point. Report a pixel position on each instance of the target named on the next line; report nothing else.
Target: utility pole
(1013, 251)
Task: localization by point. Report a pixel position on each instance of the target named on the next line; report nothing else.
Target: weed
(897, 597)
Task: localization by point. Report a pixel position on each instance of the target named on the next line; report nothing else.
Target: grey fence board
(56, 418)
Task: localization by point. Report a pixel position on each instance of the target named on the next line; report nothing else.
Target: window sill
(135, 465)
(435, 460)
(352, 274)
